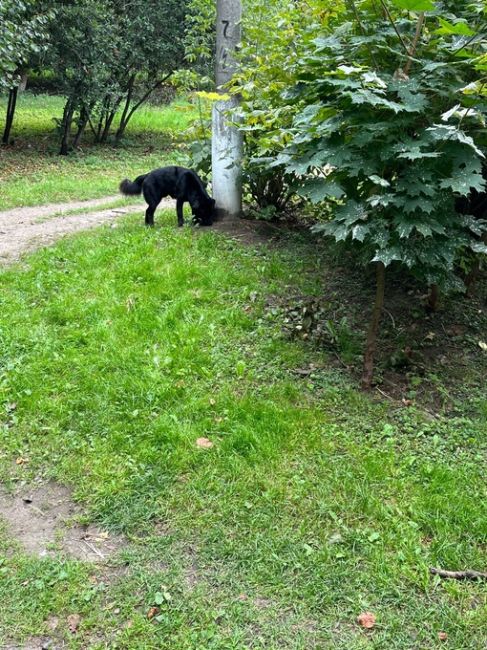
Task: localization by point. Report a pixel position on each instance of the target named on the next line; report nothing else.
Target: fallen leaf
(153, 611)
(21, 461)
(212, 401)
(304, 372)
(336, 538)
(159, 598)
(204, 443)
(483, 346)
(366, 620)
(443, 636)
(73, 622)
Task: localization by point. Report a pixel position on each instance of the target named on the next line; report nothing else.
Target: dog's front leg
(179, 211)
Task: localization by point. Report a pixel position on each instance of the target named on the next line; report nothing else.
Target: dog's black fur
(179, 183)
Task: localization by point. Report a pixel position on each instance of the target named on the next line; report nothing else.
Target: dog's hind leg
(179, 211)
(149, 215)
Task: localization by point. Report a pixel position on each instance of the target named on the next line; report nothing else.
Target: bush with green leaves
(23, 26)
(112, 55)
(23, 34)
(388, 104)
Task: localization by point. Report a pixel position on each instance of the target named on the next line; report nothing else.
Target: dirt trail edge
(23, 230)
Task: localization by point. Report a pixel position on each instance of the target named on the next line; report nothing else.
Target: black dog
(179, 183)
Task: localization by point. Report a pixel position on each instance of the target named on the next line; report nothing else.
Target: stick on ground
(459, 575)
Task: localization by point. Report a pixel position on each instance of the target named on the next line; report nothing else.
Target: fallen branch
(93, 549)
(459, 575)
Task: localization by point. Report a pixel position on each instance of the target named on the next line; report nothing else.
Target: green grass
(32, 173)
(120, 348)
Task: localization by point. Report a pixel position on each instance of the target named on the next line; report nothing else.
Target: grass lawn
(43, 176)
(118, 350)
(121, 347)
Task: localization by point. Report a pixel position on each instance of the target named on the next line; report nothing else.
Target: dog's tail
(131, 188)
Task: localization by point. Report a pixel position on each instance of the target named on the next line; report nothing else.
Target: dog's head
(204, 213)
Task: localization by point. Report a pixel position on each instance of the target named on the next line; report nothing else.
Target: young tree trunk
(471, 279)
(109, 117)
(23, 82)
(67, 120)
(433, 297)
(370, 345)
(83, 121)
(127, 111)
(12, 102)
(473, 275)
(99, 129)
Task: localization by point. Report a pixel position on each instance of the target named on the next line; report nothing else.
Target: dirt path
(23, 230)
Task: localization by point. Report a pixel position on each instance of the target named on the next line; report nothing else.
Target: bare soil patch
(23, 230)
(247, 231)
(35, 643)
(41, 519)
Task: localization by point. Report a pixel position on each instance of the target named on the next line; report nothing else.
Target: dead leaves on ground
(366, 620)
(204, 443)
(73, 621)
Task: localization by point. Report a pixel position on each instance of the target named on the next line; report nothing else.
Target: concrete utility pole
(226, 142)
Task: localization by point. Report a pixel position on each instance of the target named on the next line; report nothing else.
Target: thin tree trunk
(473, 275)
(99, 129)
(108, 123)
(83, 121)
(126, 108)
(471, 279)
(23, 82)
(370, 345)
(12, 103)
(128, 112)
(433, 297)
(101, 121)
(67, 120)
(89, 120)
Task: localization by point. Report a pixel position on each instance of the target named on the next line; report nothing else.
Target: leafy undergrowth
(436, 360)
(32, 172)
(119, 349)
